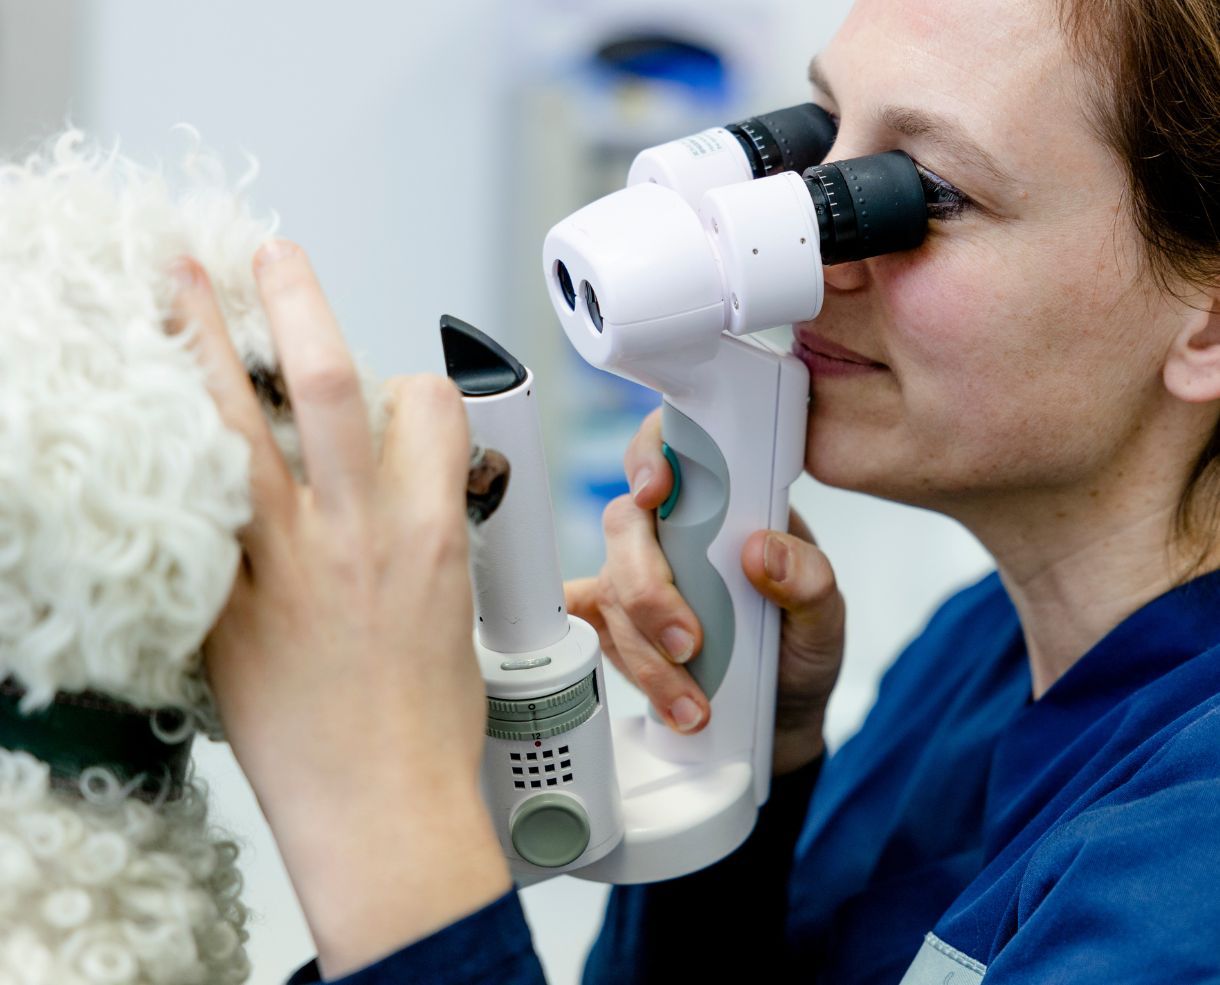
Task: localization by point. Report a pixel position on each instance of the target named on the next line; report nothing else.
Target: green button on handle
(668, 506)
(550, 830)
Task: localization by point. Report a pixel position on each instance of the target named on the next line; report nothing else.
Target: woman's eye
(944, 201)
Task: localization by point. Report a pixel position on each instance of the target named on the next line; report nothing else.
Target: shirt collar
(1158, 637)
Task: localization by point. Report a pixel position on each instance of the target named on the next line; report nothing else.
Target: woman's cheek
(938, 308)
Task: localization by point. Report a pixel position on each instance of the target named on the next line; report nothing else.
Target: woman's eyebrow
(949, 136)
(946, 133)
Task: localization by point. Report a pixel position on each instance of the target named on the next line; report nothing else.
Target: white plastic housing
(690, 800)
(657, 280)
(766, 235)
(669, 282)
(526, 612)
(527, 644)
(589, 746)
(693, 165)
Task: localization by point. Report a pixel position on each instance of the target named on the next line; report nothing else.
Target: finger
(195, 309)
(580, 599)
(676, 696)
(651, 625)
(795, 575)
(425, 458)
(644, 584)
(648, 471)
(331, 417)
(664, 685)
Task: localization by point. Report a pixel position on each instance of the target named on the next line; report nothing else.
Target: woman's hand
(649, 632)
(342, 666)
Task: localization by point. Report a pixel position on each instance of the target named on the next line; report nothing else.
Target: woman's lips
(825, 358)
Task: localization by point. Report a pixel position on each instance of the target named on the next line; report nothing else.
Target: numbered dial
(545, 716)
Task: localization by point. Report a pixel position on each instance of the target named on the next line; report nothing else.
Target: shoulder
(1133, 880)
(1173, 795)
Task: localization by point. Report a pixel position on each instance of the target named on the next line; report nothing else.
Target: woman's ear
(1192, 369)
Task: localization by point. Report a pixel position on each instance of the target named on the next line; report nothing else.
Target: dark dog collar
(78, 731)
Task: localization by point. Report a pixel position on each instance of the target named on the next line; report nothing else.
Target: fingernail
(775, 559)
(678, 644)
(272, 251)
(686, 714)
(640, 480)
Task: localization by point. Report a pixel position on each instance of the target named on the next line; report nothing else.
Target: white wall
(40, 46)
(351, 110)
(378, 126)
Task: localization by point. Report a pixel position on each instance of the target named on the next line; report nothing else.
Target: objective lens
(565, 285)
(595, 309)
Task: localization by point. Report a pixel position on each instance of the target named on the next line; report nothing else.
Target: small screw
(756, 251)
(803, 241)
(736, 306)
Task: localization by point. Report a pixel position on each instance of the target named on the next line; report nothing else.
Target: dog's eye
(270, 388)
(486, 485)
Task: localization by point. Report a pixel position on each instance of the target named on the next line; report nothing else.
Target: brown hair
(1158, 108)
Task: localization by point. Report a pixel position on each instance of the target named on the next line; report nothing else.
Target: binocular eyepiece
(791, 139)
(868, 206)
(726, 230)
(798, 139)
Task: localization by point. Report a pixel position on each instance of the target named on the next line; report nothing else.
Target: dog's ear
(489, 472)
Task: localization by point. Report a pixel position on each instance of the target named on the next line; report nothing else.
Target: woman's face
(1021, 346)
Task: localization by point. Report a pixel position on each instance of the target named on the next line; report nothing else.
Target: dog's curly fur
(106, 888)
(121, 496)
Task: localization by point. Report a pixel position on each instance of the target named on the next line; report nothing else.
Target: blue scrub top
(965, 832)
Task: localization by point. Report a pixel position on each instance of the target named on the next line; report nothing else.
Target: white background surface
(379, 128)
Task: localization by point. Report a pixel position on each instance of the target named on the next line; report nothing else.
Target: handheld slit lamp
(716, 236)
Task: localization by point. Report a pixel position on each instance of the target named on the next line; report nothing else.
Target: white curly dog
(121, 495)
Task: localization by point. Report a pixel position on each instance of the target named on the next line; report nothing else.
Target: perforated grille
(541, 768)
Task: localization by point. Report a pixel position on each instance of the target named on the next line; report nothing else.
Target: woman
(1036, 788)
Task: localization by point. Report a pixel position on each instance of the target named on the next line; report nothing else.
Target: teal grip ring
(668, 506)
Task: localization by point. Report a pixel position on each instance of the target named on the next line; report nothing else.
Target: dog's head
(121, 490)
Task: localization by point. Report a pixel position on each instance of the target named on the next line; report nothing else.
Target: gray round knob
(550, 830)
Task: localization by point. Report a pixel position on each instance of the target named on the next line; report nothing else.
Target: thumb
(796, 575)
